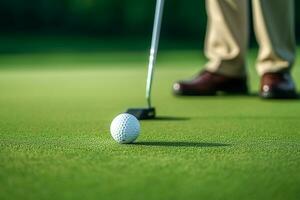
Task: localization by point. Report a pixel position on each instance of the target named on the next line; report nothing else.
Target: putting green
(55, 143)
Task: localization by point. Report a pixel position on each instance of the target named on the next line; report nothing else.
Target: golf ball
(125, 128)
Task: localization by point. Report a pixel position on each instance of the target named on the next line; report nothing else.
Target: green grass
(55, 112)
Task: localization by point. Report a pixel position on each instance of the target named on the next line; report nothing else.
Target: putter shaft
(154, 47)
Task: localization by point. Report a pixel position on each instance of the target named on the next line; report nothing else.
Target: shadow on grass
(253, 117)
(180, 144)
(256, 94)
(250, 95)
(283, 99)
(170, 118)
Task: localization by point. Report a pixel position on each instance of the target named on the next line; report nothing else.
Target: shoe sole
(218, 92)
(282, 95)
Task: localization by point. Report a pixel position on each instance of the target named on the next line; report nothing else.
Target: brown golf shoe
(207, 83)
(278, 86)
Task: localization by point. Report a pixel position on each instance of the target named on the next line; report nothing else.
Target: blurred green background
(106, 18)
(101, 17)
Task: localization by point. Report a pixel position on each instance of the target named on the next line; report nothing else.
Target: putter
(149, 112)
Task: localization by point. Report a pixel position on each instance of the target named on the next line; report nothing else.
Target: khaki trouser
(227, 35)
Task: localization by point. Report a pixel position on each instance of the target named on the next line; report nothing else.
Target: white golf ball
(125, 128)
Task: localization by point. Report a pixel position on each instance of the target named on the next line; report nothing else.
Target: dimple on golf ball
(125, 128)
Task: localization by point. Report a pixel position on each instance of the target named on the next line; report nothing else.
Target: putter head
(142, 113)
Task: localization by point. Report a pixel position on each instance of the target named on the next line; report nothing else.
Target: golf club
(149, 112)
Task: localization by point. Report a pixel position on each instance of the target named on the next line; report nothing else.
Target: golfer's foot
(278, 86)
(207, 83)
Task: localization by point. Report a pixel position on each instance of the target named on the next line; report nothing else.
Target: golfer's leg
(274, 27)
(227, 36)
